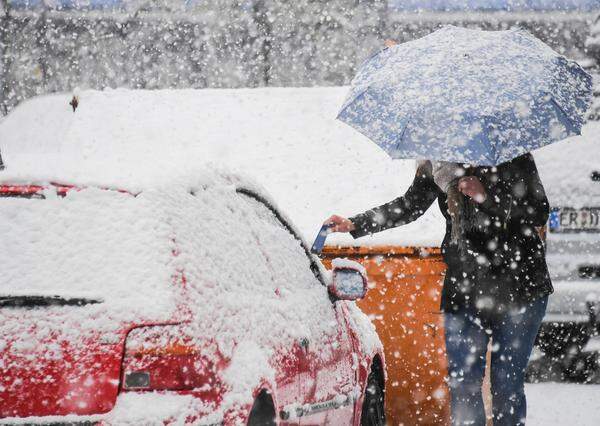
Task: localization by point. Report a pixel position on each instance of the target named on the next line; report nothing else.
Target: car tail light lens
(167, 358)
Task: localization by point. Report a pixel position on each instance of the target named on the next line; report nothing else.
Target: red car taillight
(166, 358)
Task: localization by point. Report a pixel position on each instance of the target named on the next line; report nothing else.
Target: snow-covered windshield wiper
(41, 301)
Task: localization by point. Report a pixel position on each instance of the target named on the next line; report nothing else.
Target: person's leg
(513, 336)
(466, 344)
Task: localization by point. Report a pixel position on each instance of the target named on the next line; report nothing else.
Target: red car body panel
(81, 376)
(312, 385)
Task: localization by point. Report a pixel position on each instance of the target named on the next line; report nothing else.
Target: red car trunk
(63, 323)
(65, 371)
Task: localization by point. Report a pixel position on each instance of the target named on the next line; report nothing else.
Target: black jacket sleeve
(519, 200)
(417, 199)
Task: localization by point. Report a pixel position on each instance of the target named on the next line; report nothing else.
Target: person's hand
(471, 186)
(339, 224)
(389, 42)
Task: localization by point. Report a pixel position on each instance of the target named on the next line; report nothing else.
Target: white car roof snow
(285, 139)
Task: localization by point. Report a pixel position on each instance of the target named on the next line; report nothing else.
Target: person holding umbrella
(470, 105)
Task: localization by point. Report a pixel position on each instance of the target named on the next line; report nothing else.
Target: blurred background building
(59, 45)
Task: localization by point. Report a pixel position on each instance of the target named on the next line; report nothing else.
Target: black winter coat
(504, 265)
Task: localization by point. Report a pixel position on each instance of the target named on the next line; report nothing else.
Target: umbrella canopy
(469, 96)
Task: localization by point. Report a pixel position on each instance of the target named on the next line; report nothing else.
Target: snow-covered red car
(178, 304)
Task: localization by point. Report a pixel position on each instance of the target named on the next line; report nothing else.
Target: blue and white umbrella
(469, 96)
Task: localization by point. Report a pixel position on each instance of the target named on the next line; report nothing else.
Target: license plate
(566, 219)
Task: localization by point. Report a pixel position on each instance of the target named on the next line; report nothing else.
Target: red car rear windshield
(86, 244)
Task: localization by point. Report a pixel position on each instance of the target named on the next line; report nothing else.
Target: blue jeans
(513, 335)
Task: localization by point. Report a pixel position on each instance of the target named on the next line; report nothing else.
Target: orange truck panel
(404, 304)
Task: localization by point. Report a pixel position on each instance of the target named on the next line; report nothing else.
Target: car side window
(268, 213)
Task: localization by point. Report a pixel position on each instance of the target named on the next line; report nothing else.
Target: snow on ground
(562, 404)
(286, 139)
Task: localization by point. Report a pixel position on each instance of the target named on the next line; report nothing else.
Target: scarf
(461, 209)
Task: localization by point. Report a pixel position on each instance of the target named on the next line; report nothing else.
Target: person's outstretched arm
(417, 199)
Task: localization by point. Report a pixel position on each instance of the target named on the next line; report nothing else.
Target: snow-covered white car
(570, 171)
(178, 304)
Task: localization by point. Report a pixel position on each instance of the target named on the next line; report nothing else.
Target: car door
(322, 348)
(334, 363)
